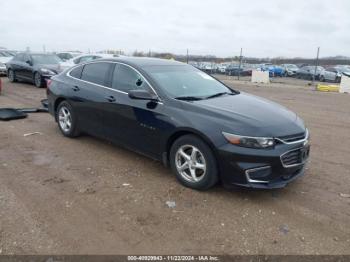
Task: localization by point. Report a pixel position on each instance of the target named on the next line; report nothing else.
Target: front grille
(293, 138)
(292, 158)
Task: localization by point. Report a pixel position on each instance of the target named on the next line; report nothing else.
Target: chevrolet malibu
(175, 113)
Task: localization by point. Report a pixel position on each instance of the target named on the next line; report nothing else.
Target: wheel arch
(182, 132)
(56, 103)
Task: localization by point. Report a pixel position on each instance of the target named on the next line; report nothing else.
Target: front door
(139, 124)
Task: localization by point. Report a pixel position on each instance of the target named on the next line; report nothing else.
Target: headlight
(251, 142)
(47, 71)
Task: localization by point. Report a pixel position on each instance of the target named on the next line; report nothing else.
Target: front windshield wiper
(188, 98)
(218, 94)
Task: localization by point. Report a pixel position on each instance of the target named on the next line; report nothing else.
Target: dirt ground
(86, 196)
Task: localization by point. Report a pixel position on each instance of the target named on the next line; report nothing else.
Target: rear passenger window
(76, 72)
(126, 79)
(96, 73)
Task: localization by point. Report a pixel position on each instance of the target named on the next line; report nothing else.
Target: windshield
(186, 81)
(5, 54)
(46, 59)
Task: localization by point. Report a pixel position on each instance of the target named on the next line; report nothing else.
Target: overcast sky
(221, 27)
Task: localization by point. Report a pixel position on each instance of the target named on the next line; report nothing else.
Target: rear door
(89, 94)
(17, 65)
(28, 67)
(331, 74)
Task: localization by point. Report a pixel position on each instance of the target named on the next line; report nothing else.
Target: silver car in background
(84, 58)
(290, 69)
(334, 74)
(5, 56)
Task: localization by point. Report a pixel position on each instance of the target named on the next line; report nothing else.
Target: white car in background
(5, 56)
(84, 58)
(67, 55)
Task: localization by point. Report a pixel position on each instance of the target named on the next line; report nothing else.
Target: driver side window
(126, 79)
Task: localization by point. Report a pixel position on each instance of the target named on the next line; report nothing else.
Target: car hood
(246, 114)
(54, 67)
(5, 59)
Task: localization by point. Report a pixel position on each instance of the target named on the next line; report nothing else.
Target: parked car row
(38, 67)
(308, 72)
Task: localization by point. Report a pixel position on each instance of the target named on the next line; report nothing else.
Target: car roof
(143, 61)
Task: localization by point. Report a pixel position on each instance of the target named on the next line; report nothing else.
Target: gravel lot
(86, 196)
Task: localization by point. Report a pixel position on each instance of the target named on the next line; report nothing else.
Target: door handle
(75, 88)
(110, 98)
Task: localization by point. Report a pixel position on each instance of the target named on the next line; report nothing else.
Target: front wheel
(38, 80)
(11, 76)
(322, 79)
(193, 163)
(67, 120)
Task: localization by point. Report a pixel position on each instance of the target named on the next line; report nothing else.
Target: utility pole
(187, 56)
(240, 64)
(316, 64)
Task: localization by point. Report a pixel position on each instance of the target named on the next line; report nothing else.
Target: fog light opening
(257, 175)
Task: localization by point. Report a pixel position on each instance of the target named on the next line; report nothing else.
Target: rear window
(76, 72)
(96, 73)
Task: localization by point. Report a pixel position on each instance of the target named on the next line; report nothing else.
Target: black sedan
(179, 115)
(35, 68)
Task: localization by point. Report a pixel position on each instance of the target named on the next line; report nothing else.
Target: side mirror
(142, 95)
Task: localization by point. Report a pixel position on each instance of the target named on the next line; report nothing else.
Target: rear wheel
(38, 80)
(67, 120)
(193, 163)
(11, 76)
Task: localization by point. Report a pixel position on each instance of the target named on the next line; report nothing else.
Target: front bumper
(262, 168)
(3, 70)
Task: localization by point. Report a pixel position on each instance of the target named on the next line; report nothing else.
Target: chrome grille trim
(302, 140)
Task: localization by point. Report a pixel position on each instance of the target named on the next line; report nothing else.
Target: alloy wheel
(65, 119)
(37, 79)
(190, 163)
(11, 76)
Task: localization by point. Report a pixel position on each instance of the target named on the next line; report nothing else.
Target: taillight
(48, 82)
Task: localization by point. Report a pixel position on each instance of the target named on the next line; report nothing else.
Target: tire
(38, 80)
(200, 170)
(338, 79)
(11, 76)
(322, 79)
(67, 120)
